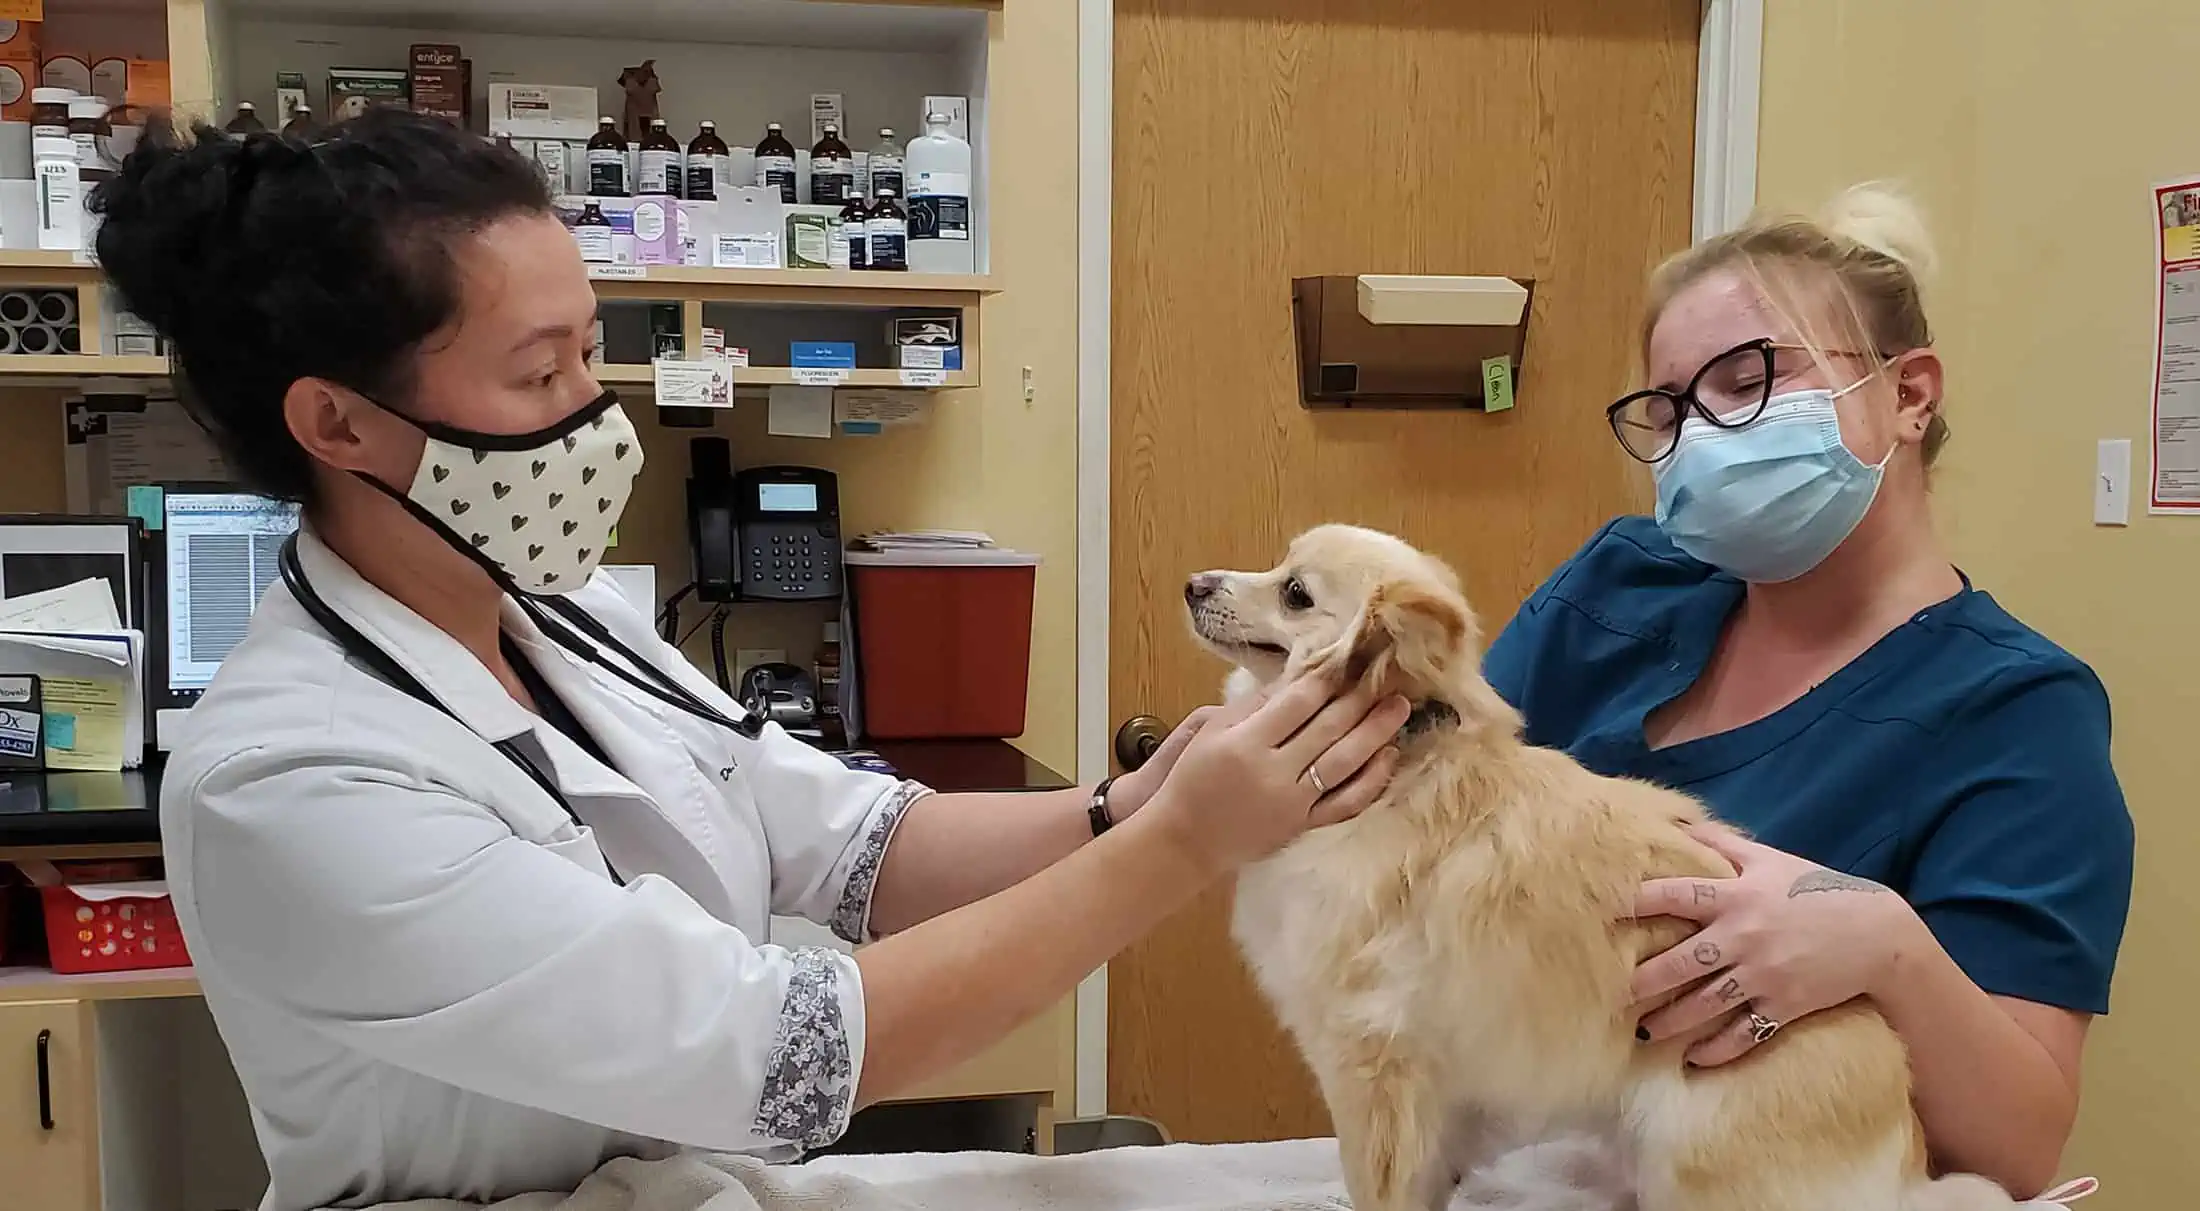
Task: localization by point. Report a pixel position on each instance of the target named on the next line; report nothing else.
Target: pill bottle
(88, 129)
(50, 112)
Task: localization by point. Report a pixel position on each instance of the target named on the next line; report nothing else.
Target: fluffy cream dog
(1454, 964)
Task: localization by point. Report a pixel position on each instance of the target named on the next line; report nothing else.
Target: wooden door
(46, 1077)
(1259, 140)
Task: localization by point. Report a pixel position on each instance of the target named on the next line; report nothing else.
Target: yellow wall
(2032, 129)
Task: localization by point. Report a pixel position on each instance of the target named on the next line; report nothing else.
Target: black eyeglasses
(1730, 391)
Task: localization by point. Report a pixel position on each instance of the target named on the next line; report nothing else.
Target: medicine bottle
(705, 154)
(592, 231)
(888, 227)
(938, 165)
(855, 228)
(50, 112)
(607, 161)
(775, 163)
(832, 169)
(88, 129)
(247, 120)
(661, 169)
(885, 163)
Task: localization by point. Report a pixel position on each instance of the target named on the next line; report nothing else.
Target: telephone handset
(762, 534)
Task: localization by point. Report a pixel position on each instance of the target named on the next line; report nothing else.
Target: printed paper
(2175, 480)
(702, 383)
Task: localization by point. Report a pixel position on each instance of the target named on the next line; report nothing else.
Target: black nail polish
(1642, 1034)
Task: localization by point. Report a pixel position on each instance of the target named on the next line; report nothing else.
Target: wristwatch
(1096, 809)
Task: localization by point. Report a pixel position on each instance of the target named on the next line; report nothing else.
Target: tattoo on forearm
(1707, 953)
(1831, 880)
(1731, 991)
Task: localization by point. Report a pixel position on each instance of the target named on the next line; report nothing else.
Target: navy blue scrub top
(1963, 760)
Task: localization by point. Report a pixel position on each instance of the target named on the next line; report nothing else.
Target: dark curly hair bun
(263, 260)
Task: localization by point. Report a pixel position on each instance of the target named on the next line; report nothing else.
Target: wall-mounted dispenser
(1409, 340)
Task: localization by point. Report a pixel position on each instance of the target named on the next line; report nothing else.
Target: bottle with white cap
(937, 170)
(50, 112)
(885, 163)
(247, 121)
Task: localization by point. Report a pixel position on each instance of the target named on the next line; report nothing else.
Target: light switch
(2112, 483)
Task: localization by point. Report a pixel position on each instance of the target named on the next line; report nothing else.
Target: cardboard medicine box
(438, 81)
(351, 90)
(542, 111)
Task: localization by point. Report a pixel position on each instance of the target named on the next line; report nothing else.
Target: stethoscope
(561, 622)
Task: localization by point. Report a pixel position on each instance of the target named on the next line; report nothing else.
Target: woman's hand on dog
(1135, 789)
(1248, 779)
(1784, 938)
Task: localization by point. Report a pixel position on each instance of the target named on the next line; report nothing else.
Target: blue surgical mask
(1771, 500)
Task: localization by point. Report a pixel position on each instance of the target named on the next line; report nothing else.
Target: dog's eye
(1295, 596)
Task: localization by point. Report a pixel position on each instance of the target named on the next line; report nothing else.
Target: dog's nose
(1199, 588)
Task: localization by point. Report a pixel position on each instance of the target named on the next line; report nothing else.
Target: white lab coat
(427, 981)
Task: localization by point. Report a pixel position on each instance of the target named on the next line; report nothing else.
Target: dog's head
(1355, 600)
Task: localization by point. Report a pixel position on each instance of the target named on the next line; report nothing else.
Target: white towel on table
(1296, 1175)
(1575, 1173)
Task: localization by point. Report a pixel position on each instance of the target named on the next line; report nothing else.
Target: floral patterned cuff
(851, 921)
(809, 1087)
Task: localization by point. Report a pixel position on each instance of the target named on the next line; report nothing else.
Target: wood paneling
(1256, 142)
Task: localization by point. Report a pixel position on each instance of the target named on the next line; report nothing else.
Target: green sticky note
(144, 503)
(60, 730)
(1497, 384)
(614, 539)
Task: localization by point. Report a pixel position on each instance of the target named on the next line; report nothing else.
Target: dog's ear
(1408, 636)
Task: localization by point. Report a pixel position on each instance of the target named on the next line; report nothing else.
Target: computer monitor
(220, 548)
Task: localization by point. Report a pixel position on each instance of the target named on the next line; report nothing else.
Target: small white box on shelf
(826, 110)
(698, 231)
(542, 111)
(750, 221)
(957, 110)
(657, 230)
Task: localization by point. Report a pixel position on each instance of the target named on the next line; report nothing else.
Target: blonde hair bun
(1884, 218)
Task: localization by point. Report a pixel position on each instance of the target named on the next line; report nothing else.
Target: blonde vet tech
(476, 871)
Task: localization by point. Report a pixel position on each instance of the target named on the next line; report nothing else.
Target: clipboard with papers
(89, 676)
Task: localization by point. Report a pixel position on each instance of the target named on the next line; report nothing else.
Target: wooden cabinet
(49, 1137)
(148, 1115)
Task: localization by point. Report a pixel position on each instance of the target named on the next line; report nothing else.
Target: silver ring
(1762, 1028)
(1315, 776)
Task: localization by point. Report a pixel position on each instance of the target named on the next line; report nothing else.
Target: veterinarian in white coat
(476, 871)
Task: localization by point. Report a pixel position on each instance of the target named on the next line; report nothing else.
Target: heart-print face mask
(536, 508)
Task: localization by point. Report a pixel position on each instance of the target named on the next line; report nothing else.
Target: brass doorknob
(1138, 739)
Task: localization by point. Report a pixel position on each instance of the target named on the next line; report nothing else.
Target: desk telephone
(763, 534)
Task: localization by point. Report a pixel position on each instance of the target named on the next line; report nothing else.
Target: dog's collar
(1428, 717)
